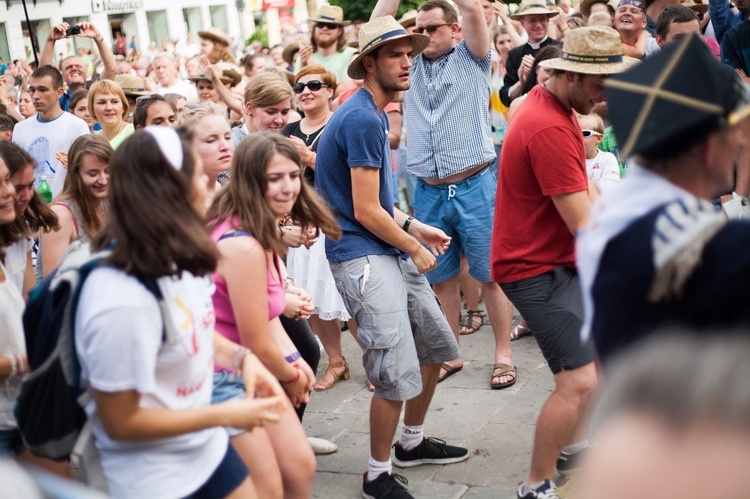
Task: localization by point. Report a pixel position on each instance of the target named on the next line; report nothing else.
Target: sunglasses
(327, 25)
(313, 85)
(635, 3)
(430, 28)
(589, 133)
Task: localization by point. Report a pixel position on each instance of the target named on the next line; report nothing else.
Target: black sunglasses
(430, 28)
(144, 98)
(313, 85)
(327, 25)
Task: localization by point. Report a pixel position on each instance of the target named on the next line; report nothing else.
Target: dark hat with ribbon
(670, 93)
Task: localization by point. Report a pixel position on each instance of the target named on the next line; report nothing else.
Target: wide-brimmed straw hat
(533, 8)
(698, 8)
(586, 6)
(409, 19)
(289, 52)
(224, 71)
(132, 85)
(591, 50)
(215, 35)
(331, 14)
(676, 90)
(378, 32)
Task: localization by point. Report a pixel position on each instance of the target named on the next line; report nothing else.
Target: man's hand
(423, 259)
(432, 237)
(525, 68)
(88, 30)
(305, 52)
(58, 32)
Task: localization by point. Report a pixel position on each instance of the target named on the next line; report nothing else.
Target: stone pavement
(496, 425)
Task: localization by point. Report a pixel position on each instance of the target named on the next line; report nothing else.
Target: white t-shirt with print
(603, 168)
(44, 139)
(12, 341)
(16, 259)
(120, 346)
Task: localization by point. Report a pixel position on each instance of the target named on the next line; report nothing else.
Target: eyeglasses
(635, 3)
(313, 85)
(430, 28)
(327, 25)
(589, 133)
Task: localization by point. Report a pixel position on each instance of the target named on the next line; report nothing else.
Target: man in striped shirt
(450, 151)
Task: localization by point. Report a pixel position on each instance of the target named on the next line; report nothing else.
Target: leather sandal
(336, 376)
(502, 369)
(471, 322)
(519, 332)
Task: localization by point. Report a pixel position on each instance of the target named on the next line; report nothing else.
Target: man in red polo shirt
(542, 199)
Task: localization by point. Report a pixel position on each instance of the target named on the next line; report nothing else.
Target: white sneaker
(321, 447)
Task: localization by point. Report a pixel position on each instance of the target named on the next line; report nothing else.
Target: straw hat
(532, 8)
(378, 32)
(676, 90)
(331, 14)
(698, 8)
(409, 19)
(586, 6)
(132, 85)
(225, 72)
(215, 35)
(289, 52)
(591, 50)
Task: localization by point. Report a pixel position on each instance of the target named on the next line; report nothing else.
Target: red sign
(277, 4)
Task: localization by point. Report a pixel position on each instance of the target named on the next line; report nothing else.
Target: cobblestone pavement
(496, 425)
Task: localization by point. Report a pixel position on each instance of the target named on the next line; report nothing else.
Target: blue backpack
(49, 408)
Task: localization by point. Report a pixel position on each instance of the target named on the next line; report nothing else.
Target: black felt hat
(670, 93)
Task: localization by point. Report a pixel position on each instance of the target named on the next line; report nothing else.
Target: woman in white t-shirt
(37, 216)
(151, 371)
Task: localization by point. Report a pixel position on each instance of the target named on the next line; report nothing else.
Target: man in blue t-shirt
(378, 264)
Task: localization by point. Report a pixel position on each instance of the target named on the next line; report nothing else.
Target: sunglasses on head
(144, 98)
(326, 25)
(635, 3)
(313, 85)
(430, 28)
(589, 133)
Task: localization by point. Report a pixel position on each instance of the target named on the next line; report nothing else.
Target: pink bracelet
(294, 380)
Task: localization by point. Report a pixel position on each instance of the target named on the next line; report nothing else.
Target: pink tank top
(225, 321)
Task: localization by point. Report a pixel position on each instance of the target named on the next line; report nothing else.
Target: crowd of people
(385, 178)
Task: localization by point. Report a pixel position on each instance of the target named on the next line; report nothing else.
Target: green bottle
(44, 189)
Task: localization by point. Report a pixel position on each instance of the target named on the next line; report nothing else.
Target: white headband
(169, 143)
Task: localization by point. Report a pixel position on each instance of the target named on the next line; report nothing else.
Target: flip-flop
(502, 369)
(449, 371)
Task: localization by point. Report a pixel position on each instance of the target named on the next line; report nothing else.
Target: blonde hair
(192, 115)
(595, 119)
(108, 87)
(267, 89)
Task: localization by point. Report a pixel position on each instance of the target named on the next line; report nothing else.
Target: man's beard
(324, 44)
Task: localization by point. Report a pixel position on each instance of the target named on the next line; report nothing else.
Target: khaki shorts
(401, 324)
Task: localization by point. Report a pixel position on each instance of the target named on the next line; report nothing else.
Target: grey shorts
(551, 304)
(401, 324)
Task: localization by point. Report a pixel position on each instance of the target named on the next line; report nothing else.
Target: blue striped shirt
(447, 114)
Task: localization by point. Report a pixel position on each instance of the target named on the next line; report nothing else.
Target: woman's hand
(259, 382)
(293, 236)
(62, 157)
(249, 412)
(298, 304)
(298, 391)
(304, 152)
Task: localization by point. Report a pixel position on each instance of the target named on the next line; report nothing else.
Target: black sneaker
(546, 490)
(430, 451)
(567, 464)
(386, 485)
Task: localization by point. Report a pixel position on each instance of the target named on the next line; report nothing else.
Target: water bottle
(44, 189)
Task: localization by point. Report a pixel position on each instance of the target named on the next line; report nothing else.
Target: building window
(4, 49)
(39, 29)
(219, 17)
(193, 20)
(157, 26)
